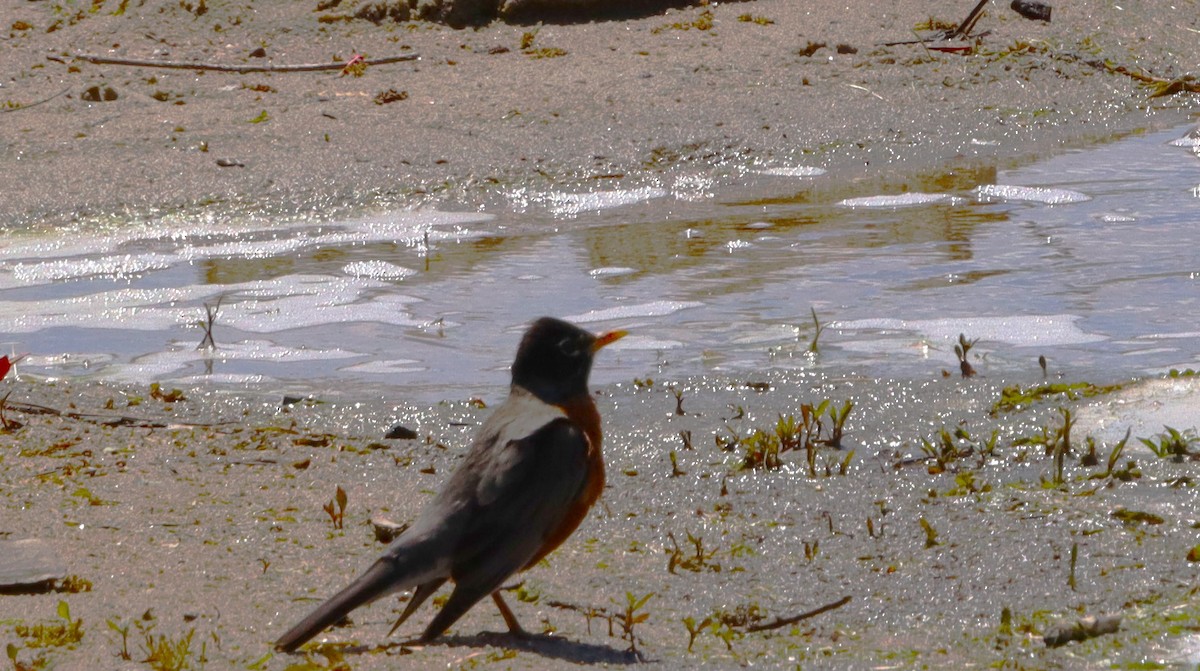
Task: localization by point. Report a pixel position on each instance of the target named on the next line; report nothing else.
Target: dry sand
(585, 102)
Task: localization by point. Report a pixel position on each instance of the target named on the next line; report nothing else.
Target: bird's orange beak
(607, 339)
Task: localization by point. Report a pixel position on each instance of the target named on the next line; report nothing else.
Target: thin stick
(44, 100)
(180, 65)
(968, 23)
(781, 622)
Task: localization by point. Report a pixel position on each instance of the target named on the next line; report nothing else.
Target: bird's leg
(514, 627)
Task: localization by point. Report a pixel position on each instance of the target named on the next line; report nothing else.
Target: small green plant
(695, 629)
(162, 652)
(1062, 446)
(173, 396)
(965, 484)
(762, 451)
(336, 509)
(696, 561)
(961, 350)
(750, 18)
(64, 634)
(818, 328)
(678, 394)
(946, 450)
(123, 632)
(1172, 444)
(931, 534)
(1016, 398)
(166, 654)
(675, 470)
(1126, 474)
(811, 550)
(808, 432)
(631, 617)
(686, 436)
(838, 417)
(1074, 558)
(528, 37)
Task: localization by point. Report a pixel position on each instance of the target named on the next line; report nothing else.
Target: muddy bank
(484, 113)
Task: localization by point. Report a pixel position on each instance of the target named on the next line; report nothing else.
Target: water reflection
(427, 300)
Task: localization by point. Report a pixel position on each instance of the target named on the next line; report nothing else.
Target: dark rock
(1031, 9)
(96, 94)
(400, 432)
(29, 566)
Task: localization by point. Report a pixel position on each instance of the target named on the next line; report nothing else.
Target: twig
(180, 65)
(210, 312)
(968, 23)
(108, 419)
(781, 622)
(44, 100)
(860, 88)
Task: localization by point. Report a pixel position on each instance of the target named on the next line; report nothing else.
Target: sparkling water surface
(1089, 259)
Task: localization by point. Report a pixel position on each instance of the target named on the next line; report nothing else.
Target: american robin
(529, 478)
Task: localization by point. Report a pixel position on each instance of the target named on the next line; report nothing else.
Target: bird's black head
(555, 358)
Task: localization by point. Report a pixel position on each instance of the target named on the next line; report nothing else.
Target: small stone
(386, 530)
(29, 565)
(400, 432)
(96, 94)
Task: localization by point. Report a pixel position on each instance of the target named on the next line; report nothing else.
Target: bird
(528, 479)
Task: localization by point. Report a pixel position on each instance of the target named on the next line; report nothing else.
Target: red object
(6, 365)
(356, 59)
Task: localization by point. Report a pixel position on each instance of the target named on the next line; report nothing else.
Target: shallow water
(1087, 258)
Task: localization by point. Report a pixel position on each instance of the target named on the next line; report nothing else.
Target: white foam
(611, 271)
(795, 171)
(377, 270)
(652, 309)
(388, 367)
(570, 204)
(897, 200)
(263, 306)
(1144, 409)
(120, 266)
(1192, 139)
(1018, 330)
(1031, 194)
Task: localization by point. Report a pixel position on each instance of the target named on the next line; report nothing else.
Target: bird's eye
(569, 347)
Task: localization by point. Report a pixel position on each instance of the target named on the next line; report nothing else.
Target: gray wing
(523, 493)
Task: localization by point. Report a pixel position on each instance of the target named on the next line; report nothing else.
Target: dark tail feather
(460, 601)
(423, 592)
(379, 580)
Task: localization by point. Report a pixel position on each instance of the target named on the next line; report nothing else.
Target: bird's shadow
(550, 647)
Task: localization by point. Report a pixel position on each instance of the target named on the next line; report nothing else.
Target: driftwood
(1083, 629)
(219, 67)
